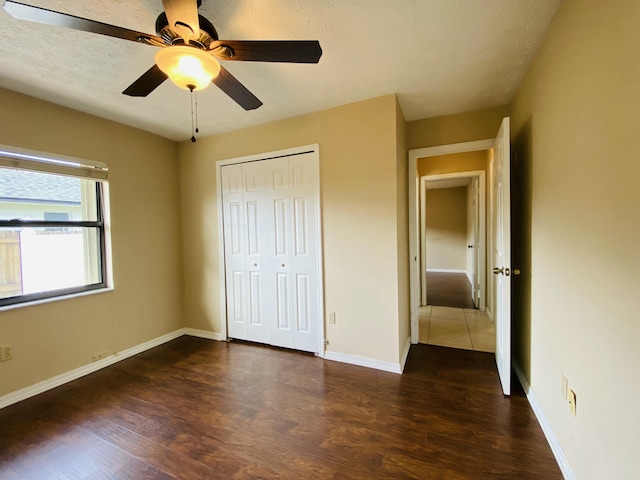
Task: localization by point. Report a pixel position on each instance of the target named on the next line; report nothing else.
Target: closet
(272, 251)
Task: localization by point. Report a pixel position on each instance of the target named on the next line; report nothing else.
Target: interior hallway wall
(576, 232)
(446, 228)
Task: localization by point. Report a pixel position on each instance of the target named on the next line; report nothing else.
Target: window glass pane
(37, 260)
(29, 195)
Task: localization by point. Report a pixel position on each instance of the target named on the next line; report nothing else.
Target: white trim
(314, 149)
(34, 303)
(414, 217)
(40, 387)
(451, 148)
(414, 242)
(16, 157)
(405, 354)
(194, 332)
(221, 261)
(446, 270)
(489, 314)
(363, 361)
(552, 439)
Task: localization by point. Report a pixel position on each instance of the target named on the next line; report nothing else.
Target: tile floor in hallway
(456, 328)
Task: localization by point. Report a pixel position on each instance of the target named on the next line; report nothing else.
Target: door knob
(255, 264)
(282, 264)
(498, 271)
(469, 246)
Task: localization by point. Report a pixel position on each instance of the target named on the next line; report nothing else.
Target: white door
(272, 251)
(304, 267)
(500, 169)
(256, 276)
(234, 250)
(291, 193)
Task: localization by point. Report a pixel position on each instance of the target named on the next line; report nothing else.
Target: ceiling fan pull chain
(193, 135)
(197, 130)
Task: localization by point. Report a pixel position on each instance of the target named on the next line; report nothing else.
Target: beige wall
(361, 218)
(576, 169)
(446, 228)
(458, 128)
(454, 162)
(56, 337)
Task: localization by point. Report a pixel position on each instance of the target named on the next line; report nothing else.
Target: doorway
(498, 238)
(453, 234)
(416, 185)
(453, 253)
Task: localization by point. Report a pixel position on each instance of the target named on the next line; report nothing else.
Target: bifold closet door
(271, 247)
(243, 212)
(292, 252)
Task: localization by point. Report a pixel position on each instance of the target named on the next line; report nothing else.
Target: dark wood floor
(449, 290)
(199, 409)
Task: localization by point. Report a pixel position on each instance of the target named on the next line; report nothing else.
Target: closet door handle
(282, 264)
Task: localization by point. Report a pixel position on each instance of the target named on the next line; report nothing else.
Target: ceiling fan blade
(291, 51)
(58, 19)
(147, 83)
(183, 17)
(237, 91)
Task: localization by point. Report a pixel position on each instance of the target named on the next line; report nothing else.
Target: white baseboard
(405, 354)
(40, 387)
(445, 270)
(554, 443)
(363, 361)
(489, 314)
(194, 332)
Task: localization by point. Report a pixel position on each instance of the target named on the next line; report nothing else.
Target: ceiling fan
(190, 48)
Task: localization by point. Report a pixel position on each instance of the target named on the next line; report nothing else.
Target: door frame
(414, 232)
(313, 149)
(481, 175)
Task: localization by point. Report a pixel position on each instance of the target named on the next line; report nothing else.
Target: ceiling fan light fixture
(188, 67)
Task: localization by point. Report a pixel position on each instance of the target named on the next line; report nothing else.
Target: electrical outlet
(564, 387)
(99, 355)
(572, 402)
(6, 353)
(332, 317)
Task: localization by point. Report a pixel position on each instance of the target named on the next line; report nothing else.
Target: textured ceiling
(439, 56)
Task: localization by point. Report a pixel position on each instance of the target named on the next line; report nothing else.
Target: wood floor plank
(447, 289)
(195, 408)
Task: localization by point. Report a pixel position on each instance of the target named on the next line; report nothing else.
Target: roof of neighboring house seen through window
(26, 186)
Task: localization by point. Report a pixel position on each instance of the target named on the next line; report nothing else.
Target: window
(52, 227)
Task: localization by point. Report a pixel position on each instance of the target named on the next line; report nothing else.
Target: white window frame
(28, 160)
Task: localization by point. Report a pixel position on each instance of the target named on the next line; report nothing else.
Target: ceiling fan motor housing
(207, 35)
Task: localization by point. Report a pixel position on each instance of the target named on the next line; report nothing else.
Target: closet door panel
(234, 250)
(303, 191)
(254, 210)
(279, 250)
